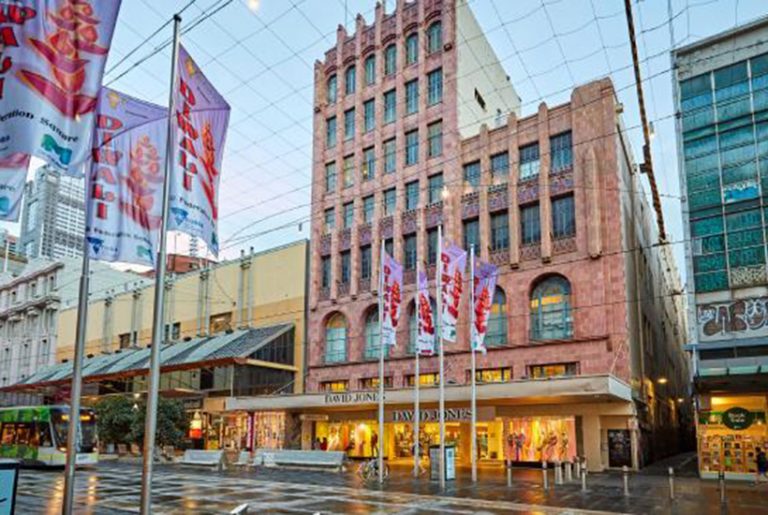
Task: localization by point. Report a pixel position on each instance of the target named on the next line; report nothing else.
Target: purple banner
(202, 116)
(425, 337)
(392, 288)
(485, 285)
(453, 262)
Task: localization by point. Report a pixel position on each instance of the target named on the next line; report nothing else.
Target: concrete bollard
(584, 475)
(671, 483)
(568, 472)
(544, 475)
(721, 481)
(558, 472)
(625, 478)
(509, 473)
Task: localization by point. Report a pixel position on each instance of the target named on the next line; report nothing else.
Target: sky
(260, 54)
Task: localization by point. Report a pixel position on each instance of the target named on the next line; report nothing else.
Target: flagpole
(473, 407)
(416, 400)
(158, 316)
(441, 404)
(381, 364)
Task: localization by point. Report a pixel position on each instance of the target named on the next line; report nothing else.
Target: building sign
(351, 398)
(737, 418)
(433, 415)
(743, 318)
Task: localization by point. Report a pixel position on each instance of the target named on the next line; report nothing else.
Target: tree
(114, 419)
(171, 423)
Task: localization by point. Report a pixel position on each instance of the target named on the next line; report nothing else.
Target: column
(514, 209)
(545, 207)
(592, 437)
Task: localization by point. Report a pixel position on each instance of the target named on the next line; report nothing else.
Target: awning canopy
(233, 347)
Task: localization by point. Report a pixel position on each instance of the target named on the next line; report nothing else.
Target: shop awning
(227, 348)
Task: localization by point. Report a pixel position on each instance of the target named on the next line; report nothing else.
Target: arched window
(551, 309)
(332, 91)
(497, 321)
(434, 38)
(370, 70)
(350, 77)
(413, 324)
(390, 60)
(412, 48)
(336, 339)
(372, 338)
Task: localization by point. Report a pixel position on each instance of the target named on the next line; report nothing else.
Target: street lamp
(662, 380)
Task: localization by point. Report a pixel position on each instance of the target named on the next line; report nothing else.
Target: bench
(302, 459)
(204, 458)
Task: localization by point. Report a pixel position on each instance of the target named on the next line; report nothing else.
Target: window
(497, 321)
(411, 49)
(390, 106)
(369, 115)
(372, 383)
(472, 234)
(350, 77)
(370, 70)
(432, 246)
(349, 124)
(434, 38)
(561, 152)
(326, 272)
(563, 217)
(389, 246)
(551, 309)
(529, 161)
(409, 243)
(499, 231)
(553, 370)
(330, 177)
(435, 87)
(125, 340)
(390, 156)
(491, 375)
(412, 96)
(432, 379)
(331, 91)
(411, 195)
(500, 165)
(349, 214)
(472, 174)
(435, 139)
(368, 208)
(390, 202)
(412, 147)
(372, 338)
(330, 219)
(335, 386)
(530, 226)
(349, 171)
(369, 164)
(365, 262)
(435, 188)
(330, 132)
(346, 267)
(390, 60)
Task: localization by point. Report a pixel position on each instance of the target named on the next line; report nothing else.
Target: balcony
(470, 205)
(325, 245)
(410, 221)
(564, 245)
(561, 182)
(528, 190)
(434, 214)
(498, 199)
(531, 251)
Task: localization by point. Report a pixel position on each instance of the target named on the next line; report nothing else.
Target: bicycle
(369, 470)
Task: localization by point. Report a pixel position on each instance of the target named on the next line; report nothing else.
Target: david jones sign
(433, 415)
(351, 398)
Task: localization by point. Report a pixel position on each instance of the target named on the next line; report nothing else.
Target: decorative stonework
(434, 215)
(325, 244)
(470, 205)
(364, 285)
(409, 276)
(410, 222)
(563, 245)
(325, 294)
(528, 190)
(386, 227)
(498, 199)
(561, 182)
(343, 289)
(345, 239)
(364, 234)
(530, 252)
(747, 276)
(500, 257)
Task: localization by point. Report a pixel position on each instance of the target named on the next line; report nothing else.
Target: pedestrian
(762, 465)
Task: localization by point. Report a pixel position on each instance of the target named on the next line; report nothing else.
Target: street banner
(485, 285)
(453, 262)
(51, 68)
(425, 336)
(202, 116)
(13, 177)
(125, 182)
(392, 288)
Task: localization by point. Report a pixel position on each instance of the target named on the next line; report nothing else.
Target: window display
(269, 429)
(542, 438)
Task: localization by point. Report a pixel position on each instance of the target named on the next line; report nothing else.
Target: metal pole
(671, 483)
(584, 476)
(721, 481)
(568, 472)
(558, 472)
(416, 400)
(625, 478)
(544, 475)
(473, 398)
(509, 472)
(77, 382)
(157, 319)
(441, 403)
(381, 364)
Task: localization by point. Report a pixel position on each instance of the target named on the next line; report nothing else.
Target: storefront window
(542, 438)
(335, 386)
(492, 375)
(424, 379)
(553, 370)
(269, 429)
(372, 383)
(358, 439)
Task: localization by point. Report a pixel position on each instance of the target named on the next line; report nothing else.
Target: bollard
(584, 475)
(558, 473)
(721, 480)
(509, 473)
(568, 472)
(625, 477)
(671, 483)
(544, 475)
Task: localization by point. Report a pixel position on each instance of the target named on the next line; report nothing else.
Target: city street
(114, 488)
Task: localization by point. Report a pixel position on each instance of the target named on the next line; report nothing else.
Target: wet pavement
(113, 488)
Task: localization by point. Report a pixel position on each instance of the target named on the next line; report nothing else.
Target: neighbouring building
(417, 126)
(53, 218)
(721, 94)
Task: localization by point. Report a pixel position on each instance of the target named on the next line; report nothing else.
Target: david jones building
(416, 126)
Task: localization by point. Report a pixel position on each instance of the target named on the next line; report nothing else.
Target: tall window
(370, 70)
(553, 370)
(330, 177)
(434, 38)
(561, 151)
(330, 132)
(349, 123)
(369, 204)
(435, 138)
(336, 339)
(472, 234)
(346, 267)
(349, 171)
(325, 266)
(369, 115)
(389, 246)
(331, 91)
(412, 49)
(390, 106)
(390, 156)
(390, 60)
(435, 87)
(411, 195)
(372, 339)
(500, 165)
(500, 231)
(530, 225)
(409, 244)
(365, 262)
(412, 147)
(551, 309)
(435, 188)
(529, 161)
(412, 96)
(350, 76)
(349, 214)
(432, 246)
(369, 164)
(472, 174)
(563, 217)
(390, 201)
(497, 321)
(330, 219)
